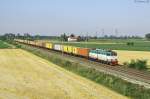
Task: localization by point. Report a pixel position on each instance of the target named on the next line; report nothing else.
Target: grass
(140, 46)
(114, 44)
(4, 45)
(26, 76)
(116, 40)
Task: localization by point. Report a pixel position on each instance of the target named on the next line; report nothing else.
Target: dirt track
(26, 76)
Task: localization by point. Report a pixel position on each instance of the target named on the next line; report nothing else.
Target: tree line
(64, 37)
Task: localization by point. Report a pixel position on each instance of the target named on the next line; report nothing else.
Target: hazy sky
(53, 17)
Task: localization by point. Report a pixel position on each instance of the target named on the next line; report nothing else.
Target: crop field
(24, 75)
(138, 46)
(113, 44)
(126, 56)
(116, 40)
(4, 45)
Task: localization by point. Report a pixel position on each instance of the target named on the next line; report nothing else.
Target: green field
(139, 44)
(117, 40)
(4, 45)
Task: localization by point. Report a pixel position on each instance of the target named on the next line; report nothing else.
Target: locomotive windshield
(114, 54)
(111, 54)
(108, 54)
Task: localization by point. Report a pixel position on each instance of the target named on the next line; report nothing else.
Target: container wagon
(75, 50)
(58, 47)
(48, 45)
(70, 49)
(83, 52)
(65, 48)
(31, 42)
(40, 44)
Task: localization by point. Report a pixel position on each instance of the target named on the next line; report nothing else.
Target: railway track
(135, 76)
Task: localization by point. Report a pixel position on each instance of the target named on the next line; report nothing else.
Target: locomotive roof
(104, 50)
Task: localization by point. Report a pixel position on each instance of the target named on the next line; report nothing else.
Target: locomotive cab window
(114, 54)
(108, 54)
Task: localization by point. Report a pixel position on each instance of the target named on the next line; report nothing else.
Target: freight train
(100, 55)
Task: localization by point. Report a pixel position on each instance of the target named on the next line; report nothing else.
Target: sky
(81, 17)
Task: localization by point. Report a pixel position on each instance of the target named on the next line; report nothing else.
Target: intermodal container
(58, 47)
(75, 50)
(49, 45)
(25, 41)
(19, 40)
(32, 42)
(70, 49)
(84, 52)
(39, 43)
(65, 48)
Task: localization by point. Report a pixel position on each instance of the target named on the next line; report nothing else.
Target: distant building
(72, 39)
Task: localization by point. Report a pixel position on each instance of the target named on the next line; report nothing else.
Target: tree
(18, 36)
(8, 36)
(147, 36)
(72, 35)
(36, 37)
(79, 38)
(130, 43)
(27, 36)
(64, 37)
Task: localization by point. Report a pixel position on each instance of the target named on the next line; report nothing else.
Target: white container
(58, 47)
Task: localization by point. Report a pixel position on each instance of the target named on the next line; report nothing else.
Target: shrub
(130, 43)
(132, 64)
(18, 46)
(141, 64)
(137, 64)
